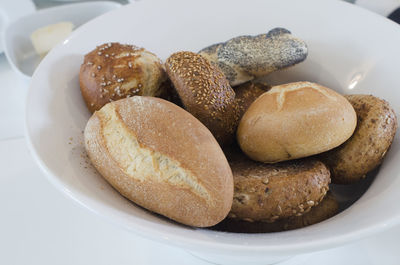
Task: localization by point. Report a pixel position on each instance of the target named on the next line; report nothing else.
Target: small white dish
(347, 54)
(16, 37)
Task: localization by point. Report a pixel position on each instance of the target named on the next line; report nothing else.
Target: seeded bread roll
(295, 120)
(113, 71)
(162, 158)
(265, 192)
(366, 149)
(248, 92)
(205, 93)
(324, 210)
(245, 57)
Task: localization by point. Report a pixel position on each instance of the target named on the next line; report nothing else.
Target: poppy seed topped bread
(245, 57)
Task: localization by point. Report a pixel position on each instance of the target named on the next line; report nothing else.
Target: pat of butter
(45, 38)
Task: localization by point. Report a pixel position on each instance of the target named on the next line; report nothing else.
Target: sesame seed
(108, 82)
(93, 75)
(106, 55)
(130, 64)
(99, 53)
(99, 67)
(310, 203)
(89, 63)
(109, 45)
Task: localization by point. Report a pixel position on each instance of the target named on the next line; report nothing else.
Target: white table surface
(39, 225)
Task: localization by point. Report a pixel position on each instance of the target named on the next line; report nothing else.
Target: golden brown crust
(267, 192)
(326, 209)
(366, 149)
(162, 158)
(113, 71)
(247, 93)
(295, 120)
(205, 93)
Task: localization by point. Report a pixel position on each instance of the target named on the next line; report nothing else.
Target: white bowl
(16, 36)
(350, 50)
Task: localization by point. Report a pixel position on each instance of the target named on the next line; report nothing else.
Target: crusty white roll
(162, 158)
(295, 120)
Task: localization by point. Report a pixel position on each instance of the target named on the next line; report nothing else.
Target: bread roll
(113, 71)
(205, 93)
(295, 120)
(365, 150)
(162, 158)
(248, 92)
(245, 57)
(325, 210)
(265, 192)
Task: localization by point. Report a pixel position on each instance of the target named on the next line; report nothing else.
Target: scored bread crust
(205, 93)
(295, 120)
(162, 158)
(268, 192)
